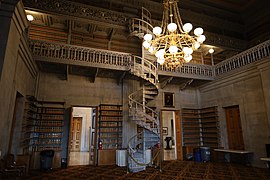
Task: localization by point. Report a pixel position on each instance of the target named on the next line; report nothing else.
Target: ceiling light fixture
(171, 43)
(29, 17)
(211, 51)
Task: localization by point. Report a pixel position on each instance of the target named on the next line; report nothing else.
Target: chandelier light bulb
(146, 44)
(29, 17)
(172, 27)
(196, 45)
(160, 53)
(201, 38)
(211, 51)
(157, 30)
(161, 61)
(173, 49)
(187, 50)
(187, 27)
(188, 57)
(198, 31)
(148, 37)
(151, 49)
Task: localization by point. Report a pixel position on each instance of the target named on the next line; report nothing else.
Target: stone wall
(248, 88)
(18, 73)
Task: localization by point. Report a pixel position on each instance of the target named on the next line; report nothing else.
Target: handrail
(138, 104)
(144, 66)
(140, 26)
(130, 150)
(192, 69)
(78, 53)
(66, 53)
(244, 58)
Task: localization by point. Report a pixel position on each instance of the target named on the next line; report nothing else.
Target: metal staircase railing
(143, 148)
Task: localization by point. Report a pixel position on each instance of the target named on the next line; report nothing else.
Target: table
(267, 159)
(245, 156)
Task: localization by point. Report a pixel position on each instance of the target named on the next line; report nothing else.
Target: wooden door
(75, 139)
(178, 137)
(234, 129)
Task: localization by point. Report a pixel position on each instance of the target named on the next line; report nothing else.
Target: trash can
(64, 163)
(197, 155)
(46, 159)
(205, 154)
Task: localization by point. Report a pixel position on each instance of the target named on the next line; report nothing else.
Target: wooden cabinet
(110, 120)
(106, 156)
(200, 127)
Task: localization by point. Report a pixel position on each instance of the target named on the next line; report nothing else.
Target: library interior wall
(15, 75)
(248, 88)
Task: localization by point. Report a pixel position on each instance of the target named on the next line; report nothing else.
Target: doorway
(234, 128)
(169, 135)
(81, 132)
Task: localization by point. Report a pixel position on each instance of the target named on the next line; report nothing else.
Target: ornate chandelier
(171, 43)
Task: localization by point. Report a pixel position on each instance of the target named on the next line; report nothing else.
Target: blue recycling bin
(46, 159)
(197, 155)
(205, 154)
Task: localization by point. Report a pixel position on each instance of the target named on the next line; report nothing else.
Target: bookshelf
(200, 128)
(30, 125)
(42, 129)
(210, 127)
(110, 120)
(50, 116)
(191, 127)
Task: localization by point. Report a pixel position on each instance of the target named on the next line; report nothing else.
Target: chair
(6, 173)
(11, 164)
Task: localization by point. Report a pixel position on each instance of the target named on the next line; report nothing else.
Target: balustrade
(246, 57)
(65, 52)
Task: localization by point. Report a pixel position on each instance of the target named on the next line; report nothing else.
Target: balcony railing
(242, 59)
(77, 55)
(199, 71)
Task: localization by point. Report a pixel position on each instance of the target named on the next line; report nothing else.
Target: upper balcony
(94, 61)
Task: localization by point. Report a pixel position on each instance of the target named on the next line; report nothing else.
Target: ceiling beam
(110, 38)
(94, 77)
(165, 82)
(184, 85)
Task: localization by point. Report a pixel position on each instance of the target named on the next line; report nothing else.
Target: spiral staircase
(143, 148)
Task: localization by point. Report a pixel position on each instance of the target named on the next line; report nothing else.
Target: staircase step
(150, 92)
(149, 97)
(137, 169)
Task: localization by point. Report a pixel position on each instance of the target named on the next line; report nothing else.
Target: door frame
(69, 131)
(177, 131)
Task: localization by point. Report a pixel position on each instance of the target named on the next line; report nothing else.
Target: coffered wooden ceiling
(252, 15)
